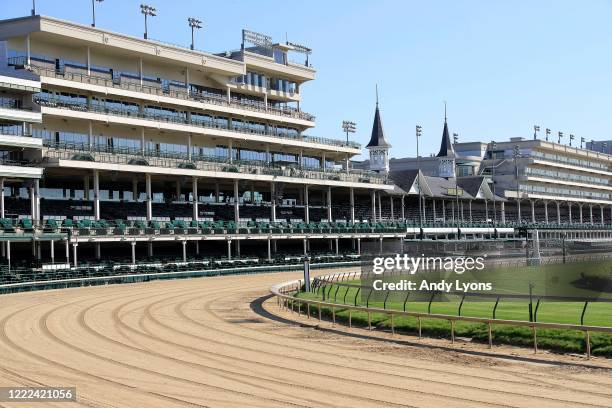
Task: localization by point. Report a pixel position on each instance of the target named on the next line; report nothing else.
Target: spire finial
(444, 111)
(376, 95)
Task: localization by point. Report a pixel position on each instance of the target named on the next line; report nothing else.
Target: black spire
(446, 147)
(378, 136)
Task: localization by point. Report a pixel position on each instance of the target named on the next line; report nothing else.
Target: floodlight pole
(93, 11)
(419, 129)
(493, 148)
(33, 7)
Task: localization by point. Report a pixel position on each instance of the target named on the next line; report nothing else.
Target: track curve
(221, 342)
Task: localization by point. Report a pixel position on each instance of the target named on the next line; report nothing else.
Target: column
(1, 198)
(88, 60)
(580, 212)
(189, 145)
(503, 212)
(194, 199)
(404, 211)
(236, 203)
(97, 249)
(591, 212)
(533, 219)
(52, 243)
(518, 210)
(444, 210)
(602, 214)
(569, 209)
(184, 243)
(142, 141)
(216, 192)
(135, 190)
(470, 210)
(178, 190)
(558, 213)
(74, 254)
(140, 71)
(379, 203)
(391, 204)
(133, 245)
(28, 50)
(32, 203)
(433, 209)
(373, 216)
(269, 251)
(67, 245)
(546, 211)
(90, 135)
(323, 161)
(272, 203)
(149, 198)
(96, 182)
(329, 204)
(229, 249)
(305, 246)
(230, 151)
(306, 208)
(352, 204)
(358, 246)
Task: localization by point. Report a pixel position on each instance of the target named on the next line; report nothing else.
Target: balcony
(172, 92)
(13, 110)
(52, 102)
(133, 156)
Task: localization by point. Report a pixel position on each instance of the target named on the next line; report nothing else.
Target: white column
(580, 212)
(269, 251)
(90, 134)
(272, 203)
(404, 212)
(236, 203)
(189, 148)
(184, 243)
(140, 71)
(28, 50)
(323, 161)
(533, 218)
(546, 211)
(329, 204)
(569, 209)
(88, 60)
(1, 198)
(591, 212)
(142, 140)
(558, 213)
(32, 203)
(379, 203)
(470, 209)
(96, 181)
(503, 212)
(74, 254)
(133, 244)
(52, 243)
(67, 245)
(352, 203)
(518, 210)
(230, 150)
(37, 200)
(194, 198)
(306, 207)
(86, 187)
(149, 197)
(373, 217)
(97, 249)
(602, 214)
(229, 249)
(392, 209)
(187, 79)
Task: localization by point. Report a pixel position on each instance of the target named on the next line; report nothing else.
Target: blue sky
(502, 66)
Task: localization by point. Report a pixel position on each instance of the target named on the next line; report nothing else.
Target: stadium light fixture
(455, 140)
(493, 149)
(33, 7)
(194, 23)
(93, 11)
(147, 11)
(604, 147)
(516, 154)
(560, 134)
(571, 137)
(581, 142)
(348, 127)
(536, 129)
(547, 133)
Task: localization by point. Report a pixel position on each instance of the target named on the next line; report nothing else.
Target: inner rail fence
(286, 295)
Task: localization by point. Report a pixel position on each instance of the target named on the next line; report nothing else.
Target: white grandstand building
(120, 147)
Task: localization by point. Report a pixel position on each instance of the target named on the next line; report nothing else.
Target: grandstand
(116, 148)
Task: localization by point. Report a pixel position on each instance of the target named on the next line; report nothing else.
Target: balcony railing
(133, 156)
(11, 103)
(161, 91)
(64, 104)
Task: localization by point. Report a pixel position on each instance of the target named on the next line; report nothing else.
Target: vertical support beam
(97, 248)
(272, 203)
(379, 207)
(306, 205)
(74, 254)
(602, 214)
(236, 202)
(90, 134)
(28, 50)
(569, 210)
(373, 217)
(140, 71)
(142, 140)
(184, 244)
(134, 189)
(230, 150)
(503, 212)
(329, 204)
(269, 251)
(558, 213)
(591, 213)
(149, 197)
(546, 211)
(518, 210)
(216, 192)
(86, 187)
(392, 209)
(195, 199)
(1, 197)
(150, 249)
(52, 243)
(67, 244)
(88, 56)
(358, 246)
(533, 218)
(580, 212)
(187, 80)
(133, 245)
(229, 249)
(352, 203)
(189, 146)
(470, 210)
(305, 245)
(96, 182)
(404, 210)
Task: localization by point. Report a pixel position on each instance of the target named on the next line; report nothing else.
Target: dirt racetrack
(222, 342)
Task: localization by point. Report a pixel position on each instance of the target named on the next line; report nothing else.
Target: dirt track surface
(220, 342)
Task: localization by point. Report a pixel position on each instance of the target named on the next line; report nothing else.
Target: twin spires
(378, 136)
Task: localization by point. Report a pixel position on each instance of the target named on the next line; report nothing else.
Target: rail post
(393, 326)
(369, 321)
(588, 344)
(334, 315)
(350, 318)
(419, 323)
(319, 305)
(308, 309)
(535, 340)
(490, 336)
(452, 323)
